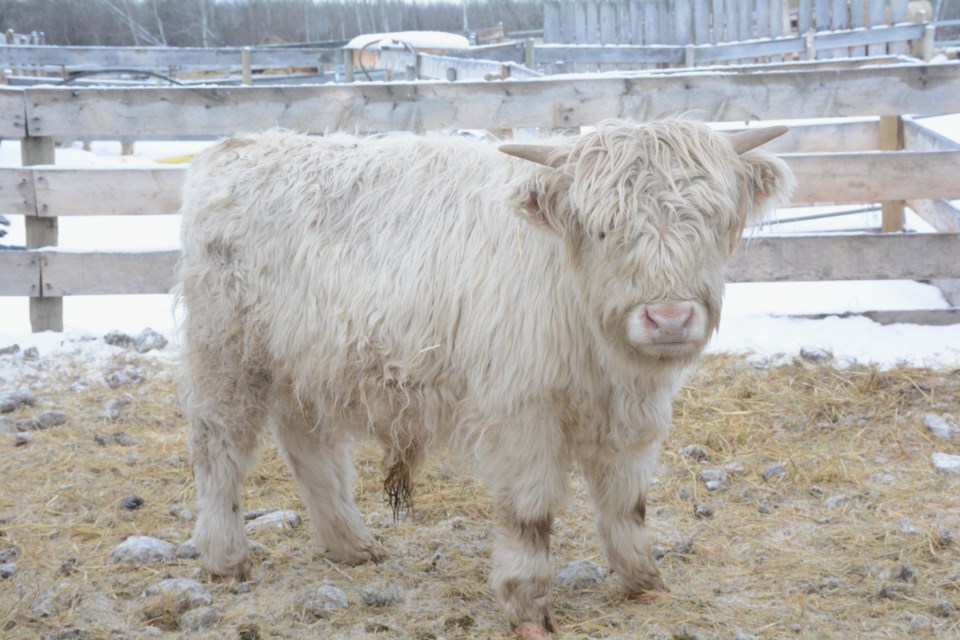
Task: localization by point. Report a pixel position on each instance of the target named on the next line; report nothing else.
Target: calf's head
(649, 215)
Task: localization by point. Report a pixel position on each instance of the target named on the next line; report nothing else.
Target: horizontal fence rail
(764, 259)
(823, 178)
(553, 102)
(166, 57)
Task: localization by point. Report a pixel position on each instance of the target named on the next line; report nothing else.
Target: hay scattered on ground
(849, 533)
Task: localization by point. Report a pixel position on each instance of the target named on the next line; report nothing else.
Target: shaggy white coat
(433, 289)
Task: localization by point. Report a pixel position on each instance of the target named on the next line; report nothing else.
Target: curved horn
(747, 139)
(539, 153)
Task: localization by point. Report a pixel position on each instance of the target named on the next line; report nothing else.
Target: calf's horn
(539, 153)
(747, 139)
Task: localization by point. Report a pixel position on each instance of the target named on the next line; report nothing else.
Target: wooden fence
(710, 21)
(893, 160)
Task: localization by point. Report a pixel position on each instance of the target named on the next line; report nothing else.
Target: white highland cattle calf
(535, 310)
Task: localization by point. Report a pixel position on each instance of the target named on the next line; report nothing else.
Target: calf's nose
(669, 321)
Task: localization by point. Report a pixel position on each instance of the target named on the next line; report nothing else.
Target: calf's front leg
(524, 469)
(618, 487)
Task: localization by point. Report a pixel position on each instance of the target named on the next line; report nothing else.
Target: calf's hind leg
(322, 464)
(225, 418)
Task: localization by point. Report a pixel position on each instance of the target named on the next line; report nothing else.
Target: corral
(795, 500)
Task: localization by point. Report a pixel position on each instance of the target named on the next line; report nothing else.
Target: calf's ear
(767, 182)
(541, 198)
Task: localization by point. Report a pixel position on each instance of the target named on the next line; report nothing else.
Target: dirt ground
(824, 518)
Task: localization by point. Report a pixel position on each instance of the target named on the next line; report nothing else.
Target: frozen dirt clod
(13, 400)
(380, 595)
(131, 502)
(142, 550)
(54, 600)
(815, 355)
(275, 520)
(695, 452)
(185, 594)
(9, 554)
(43, 421)
(944, 609)
(714, 478)
(946, 462)
(775, 470)
(581, 574)
(148, 340)
(703, 511)
(942, 426)
(118, 339)
(187, 551)
(200, 618)
(124, 376)
(321, 601)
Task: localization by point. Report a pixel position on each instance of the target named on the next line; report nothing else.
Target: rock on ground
(142, 550)
(942, 426)
(275, 520)
(53, 601)
(380, 595)
(321, 601)
(946, 462)
(187, 594)
(581, 574)
(13, 400)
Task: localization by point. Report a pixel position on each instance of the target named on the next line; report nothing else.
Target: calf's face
(649, 215)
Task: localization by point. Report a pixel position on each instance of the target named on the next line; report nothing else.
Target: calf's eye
(602, 235)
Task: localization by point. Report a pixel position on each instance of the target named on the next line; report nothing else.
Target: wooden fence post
(246, 68)
(891, 139)
(810, 45)
(528, 54)
(46, 313)
(348, 65)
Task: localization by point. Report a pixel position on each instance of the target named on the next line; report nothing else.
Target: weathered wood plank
(595, 54)
(593, 22)
(103, 273)
(97, 191)
(165, 57)
(549, 102)
(888, 256)
(608, 23)
(16, 191)
(701, 22)
(682, 22)
(877, 13)
(917, 137)
(551, 22)
(19, 273)
(46, 311)
(832, 177)
(874, 35)
(12, 123)
(763, 19)
(771, 259)
(874, 177)
(805, 16)
(822, 15)
(941, 214)
(929, 317)
(828, 137)
(749, 50)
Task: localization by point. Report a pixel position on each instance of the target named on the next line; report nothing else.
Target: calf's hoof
(534, 631)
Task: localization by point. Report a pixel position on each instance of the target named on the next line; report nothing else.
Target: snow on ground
(752, 319)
